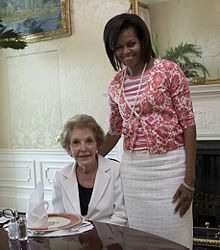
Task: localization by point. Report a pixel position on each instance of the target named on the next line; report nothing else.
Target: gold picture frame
(203, 81)
(52, 18)
(134, 6)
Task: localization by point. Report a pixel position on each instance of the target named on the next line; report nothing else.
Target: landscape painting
(37, 19)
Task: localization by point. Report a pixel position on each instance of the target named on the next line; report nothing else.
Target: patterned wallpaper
(46, 83)
(34, 95)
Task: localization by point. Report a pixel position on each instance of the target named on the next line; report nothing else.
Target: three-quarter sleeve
(180, 94)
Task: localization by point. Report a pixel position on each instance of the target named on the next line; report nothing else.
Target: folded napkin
(36, 213)
(3, 220)
(83, 227)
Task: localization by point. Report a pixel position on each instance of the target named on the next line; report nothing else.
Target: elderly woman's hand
(184, 197)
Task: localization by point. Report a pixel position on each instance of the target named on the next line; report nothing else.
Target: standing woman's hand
(184, 197)
(184, 194)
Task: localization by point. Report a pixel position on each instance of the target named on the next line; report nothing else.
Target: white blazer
(106, 203)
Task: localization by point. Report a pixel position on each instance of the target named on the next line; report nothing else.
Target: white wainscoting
(21, 170)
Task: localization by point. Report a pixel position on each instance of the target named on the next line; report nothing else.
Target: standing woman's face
(128, 49)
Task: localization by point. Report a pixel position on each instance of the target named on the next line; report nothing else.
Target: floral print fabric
(165, 109)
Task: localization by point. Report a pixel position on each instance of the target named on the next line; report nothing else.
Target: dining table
(102, 236)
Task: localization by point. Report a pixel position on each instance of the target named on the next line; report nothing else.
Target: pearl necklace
(138, 92)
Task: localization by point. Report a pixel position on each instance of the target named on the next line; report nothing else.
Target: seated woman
(91, 186)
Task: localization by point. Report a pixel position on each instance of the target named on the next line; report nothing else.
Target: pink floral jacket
(165, 109)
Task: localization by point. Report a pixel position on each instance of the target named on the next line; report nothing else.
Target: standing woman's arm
(190, 148)
(180, 94)
(115, 122)
(109, 143)
(185, 195)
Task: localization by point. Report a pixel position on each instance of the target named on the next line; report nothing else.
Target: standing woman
(150, 105)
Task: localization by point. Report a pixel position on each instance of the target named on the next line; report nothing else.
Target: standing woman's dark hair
(123, 22)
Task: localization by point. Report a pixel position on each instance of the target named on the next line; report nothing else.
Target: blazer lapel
(101, 183)
(70, 186)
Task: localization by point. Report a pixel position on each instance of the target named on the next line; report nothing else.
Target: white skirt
(149, 184)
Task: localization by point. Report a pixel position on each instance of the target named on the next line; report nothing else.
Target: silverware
(51, 233)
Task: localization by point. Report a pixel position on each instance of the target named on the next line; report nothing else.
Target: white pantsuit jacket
(106, 203)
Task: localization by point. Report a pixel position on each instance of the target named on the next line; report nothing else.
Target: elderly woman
(91, 186)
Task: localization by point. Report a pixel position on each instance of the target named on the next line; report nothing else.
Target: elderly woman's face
(83, 146)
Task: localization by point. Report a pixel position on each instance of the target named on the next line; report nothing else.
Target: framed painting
(37, 19)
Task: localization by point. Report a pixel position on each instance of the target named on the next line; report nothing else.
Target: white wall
(50, 81)
(40, 88)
